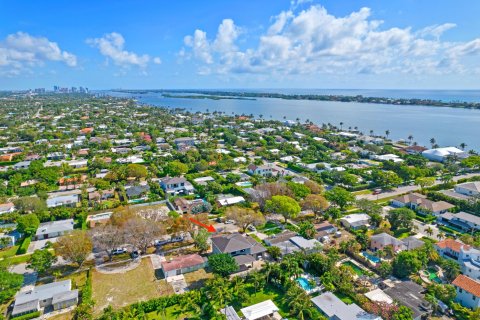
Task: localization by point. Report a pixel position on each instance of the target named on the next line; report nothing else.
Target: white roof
(443, 152)
(231, 200)
(379, 296)
(351, 218)
(259, 310)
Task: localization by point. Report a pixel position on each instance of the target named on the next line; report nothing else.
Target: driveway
(39, 244)
(29, 276)
(423, 226)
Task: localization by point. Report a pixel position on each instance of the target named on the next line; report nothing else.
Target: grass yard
(196, 279)
(268, 292)
(122, 289)
(8, 252)
(346, 299)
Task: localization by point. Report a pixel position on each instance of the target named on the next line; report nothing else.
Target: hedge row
(24, 246)
(27, 316)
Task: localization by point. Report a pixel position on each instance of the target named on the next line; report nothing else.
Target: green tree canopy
(284, 205)
(28, 224)
(222, 264)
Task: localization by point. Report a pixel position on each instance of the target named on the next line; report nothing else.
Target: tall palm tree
(341, 125)
(371, 132)
(433, 142)
(441, 235)
(429, 231)
(463, 145)
(387, 133)
(410, 138)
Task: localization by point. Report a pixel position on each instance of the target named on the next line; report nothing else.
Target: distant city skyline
(370, 44)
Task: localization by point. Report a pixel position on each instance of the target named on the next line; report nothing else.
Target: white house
(441, 154)
(53, 229)
(263, 310)
(468, 188)
(176, 185)
(58, 295)
(335, 309)
(261, 170)
(468, 291)
(355, 221)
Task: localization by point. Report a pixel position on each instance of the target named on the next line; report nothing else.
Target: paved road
(406, 189)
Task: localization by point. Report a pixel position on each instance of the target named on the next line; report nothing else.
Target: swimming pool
(304, 284)
(244, 184)
(355, 268)
(371, 257)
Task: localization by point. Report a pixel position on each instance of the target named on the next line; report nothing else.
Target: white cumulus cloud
(313, 41)
(111, 45)
(20, 51)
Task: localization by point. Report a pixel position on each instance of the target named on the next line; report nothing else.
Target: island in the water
(218, 95)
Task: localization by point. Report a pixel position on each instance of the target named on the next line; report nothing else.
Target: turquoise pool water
(371, 257)
(304, 284)
(244, 184)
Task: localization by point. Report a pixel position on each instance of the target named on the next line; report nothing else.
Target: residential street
(406, 189)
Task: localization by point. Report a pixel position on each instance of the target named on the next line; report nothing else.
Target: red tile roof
(467, 284)
(452, 245)
(182, 262)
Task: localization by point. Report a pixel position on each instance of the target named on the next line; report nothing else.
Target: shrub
(24, 246)
(27, 316)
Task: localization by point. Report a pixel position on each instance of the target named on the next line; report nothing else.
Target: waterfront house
(442, 154)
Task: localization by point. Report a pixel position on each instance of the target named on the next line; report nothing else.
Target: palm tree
(463, 145)
(257, 279)
(429, 231)
(298, 302)
(387, 133)
(341, 125)
(441, 235)
(433, 142)
(410, 138)
(371, 132)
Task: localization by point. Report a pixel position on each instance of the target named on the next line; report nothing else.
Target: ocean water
(448, 126)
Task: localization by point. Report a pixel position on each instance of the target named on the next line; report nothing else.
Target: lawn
(122, 289)
(268, 292)
(269, 228)
(9, 252)
(355, 268)
(346, 299)
(196, 279)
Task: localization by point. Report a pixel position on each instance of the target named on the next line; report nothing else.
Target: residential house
(462, 220)
(324, 229)
(137, 191)
(414, 149)
(58, 295)
(355, 221)
(409, 294)
(7, 207)
(335, 309)
(468, 188)
(183, 264)
(22, 165)
(442, 154)
(306, 245)
(176, 185)
(420, 203)
(224, 201)
(237, 245)
(265, 170)
(66, 199)
(100, 195)
(94, 220)
(185, 206)
(382, 240)
(261, 311)
(467, 256)
(53, 229)
(412, 243)
(184, 142)
(468, 291)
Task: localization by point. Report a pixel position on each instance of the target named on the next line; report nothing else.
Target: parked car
(134, 254)
(229, 222)
(252, 228)
(118, 251)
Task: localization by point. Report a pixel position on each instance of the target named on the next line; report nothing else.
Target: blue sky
(240, 44)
